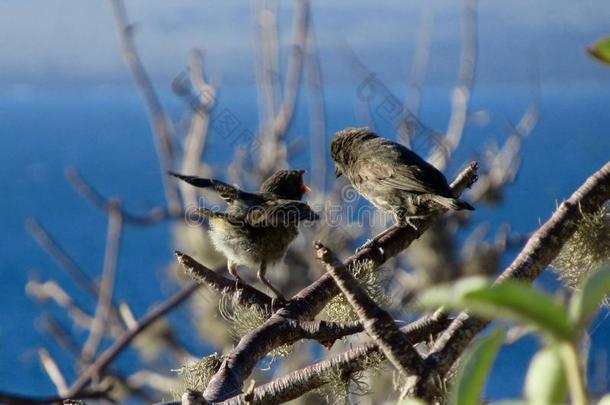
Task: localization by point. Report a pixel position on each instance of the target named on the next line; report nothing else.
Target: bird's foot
(372, 244)
(368, 244)
(411, 224)
(278, 302)
(239, 283)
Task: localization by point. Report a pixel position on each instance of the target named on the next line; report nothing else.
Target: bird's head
(286, 184)
(345, 144)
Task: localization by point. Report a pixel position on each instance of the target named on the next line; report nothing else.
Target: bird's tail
(194, 181)
(452, 203)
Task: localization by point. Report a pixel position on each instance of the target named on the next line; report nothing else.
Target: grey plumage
(391, 176)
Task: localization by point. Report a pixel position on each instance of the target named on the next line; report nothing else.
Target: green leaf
(452, 295)
(601, 50)
(546, 379)
(473, 373)
(523, 303)
(593, 290)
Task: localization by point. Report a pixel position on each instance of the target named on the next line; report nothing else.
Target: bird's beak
(305, 188)
(337, 171)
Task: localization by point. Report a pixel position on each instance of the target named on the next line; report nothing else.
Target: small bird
(391, 176)
(256, 228)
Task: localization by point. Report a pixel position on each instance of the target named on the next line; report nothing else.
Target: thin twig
(50, 245)
(152, 217)
(104, 304)
(160, 122)
(317, 120)
(418, 73)
(18, 399)
(460, 99)
(52, 369)
(195, 140)
(123, 342)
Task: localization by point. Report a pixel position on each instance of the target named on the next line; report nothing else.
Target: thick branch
(540, 250)
(246, 294)
(298, 382)
(391, 242)
(377, 322)
(238, 364)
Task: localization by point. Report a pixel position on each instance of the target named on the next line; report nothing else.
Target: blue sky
(74, 41)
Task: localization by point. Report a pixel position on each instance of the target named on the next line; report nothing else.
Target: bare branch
(377, 322)
(104, 305)
(299, 382)
(85, 189)
(460, 99)
(50, 245)
(418, 73)
(50, 290)
(53, 371)
(123, 342)
(17, 399)
(503, 166)
(194, 143)
(246, 294)
(540, 250)
(273, 150)
(317, 120)
(160, 123)
(238, 364)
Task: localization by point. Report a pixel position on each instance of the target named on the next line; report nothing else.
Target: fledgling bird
(256, 228)
(391, 176)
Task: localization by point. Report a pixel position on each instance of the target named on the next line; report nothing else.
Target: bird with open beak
(256, 228)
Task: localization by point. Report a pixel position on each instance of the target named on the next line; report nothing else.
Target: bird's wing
(226, 191)
(397, 167)
(280, 213)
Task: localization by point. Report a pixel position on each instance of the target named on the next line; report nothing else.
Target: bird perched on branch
(391, 176)
(256, 228)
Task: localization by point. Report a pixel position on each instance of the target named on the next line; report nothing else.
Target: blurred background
(512, 82)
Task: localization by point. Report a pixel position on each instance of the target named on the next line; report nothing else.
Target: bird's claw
(278, 302)
(372, 243)
(368, 244)
(411, 224)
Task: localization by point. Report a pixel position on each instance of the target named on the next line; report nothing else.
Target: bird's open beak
(305, 188)
(337, 171)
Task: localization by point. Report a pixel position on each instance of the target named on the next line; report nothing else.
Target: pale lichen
(244, 319)
(341, 386)
(196, 375)
(372, 279)
(586, 250)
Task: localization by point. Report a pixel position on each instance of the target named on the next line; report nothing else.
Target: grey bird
(256, 228)
(391, 176)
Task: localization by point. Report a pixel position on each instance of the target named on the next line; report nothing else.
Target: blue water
(104, 132)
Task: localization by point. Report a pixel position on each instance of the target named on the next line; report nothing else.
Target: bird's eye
(338, 172)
